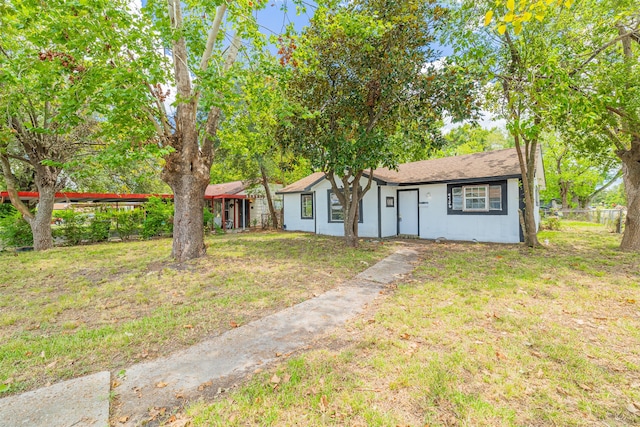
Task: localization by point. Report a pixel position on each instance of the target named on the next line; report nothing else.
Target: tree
(519, 64)
(468, 139)
(368, 89)
(600, 91)
(61, 75)
(201, 74)
(249, 140)
(573, 176)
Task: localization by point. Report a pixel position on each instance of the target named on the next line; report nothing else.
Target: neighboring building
(229, 204)
(471, 197)
(243, 206)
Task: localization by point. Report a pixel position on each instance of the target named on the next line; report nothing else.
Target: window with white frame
(336, 212)
(306, 206)
(477, 198)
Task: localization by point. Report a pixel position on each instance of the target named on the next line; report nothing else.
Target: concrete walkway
(202, 369)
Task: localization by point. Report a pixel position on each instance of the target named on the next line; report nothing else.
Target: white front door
(408, 212)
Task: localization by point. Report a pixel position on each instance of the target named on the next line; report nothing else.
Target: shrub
(128, 222)
(98, 229)
(552, 223)
(14, 230)
(158, 219)
(72, 228)
(208, 219)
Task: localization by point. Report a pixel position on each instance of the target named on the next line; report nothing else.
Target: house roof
(490, 164)
(227, 188)
(487, 164)
(304, 184)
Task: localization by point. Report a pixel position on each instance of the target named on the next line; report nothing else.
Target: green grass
(72, 311)
(481, 335)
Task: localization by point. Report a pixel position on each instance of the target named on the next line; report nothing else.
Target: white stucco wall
(293, 216)
(435, 222)
(320, 223)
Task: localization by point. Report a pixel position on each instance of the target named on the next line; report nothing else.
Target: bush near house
(14, 230)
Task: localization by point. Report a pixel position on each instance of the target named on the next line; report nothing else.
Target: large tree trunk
(188, 219)
(267, 190)
(349, 196)
(41, 222)
(631, 178)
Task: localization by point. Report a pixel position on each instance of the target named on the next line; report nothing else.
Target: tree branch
(10, 180)
(601, 49)
(213, 35)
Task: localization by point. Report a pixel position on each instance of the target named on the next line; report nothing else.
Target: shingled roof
(226, 188)
(490, 164)
(304, 184)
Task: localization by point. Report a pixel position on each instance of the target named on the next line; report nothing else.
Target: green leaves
(363, 78)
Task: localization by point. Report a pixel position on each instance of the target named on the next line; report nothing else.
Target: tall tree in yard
(517, 57)
(63, 71)
(368, 89)
(202, 62)
(249, 139)
(602, 41)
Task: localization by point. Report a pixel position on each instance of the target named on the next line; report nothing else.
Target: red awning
(85, 197)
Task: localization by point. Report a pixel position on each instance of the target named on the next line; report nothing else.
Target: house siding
(436, 223)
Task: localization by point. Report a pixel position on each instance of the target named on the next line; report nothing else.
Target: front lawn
(73, 311)
(482, 335)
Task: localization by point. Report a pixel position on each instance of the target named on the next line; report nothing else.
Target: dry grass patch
(72, 311)
(482, 335)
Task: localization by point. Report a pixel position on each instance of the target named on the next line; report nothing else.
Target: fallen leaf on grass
(161, 385)
(405, 336)
(500, 356)
(233, 324)
(205, 385)
(179, 396)
(585, 387)
(324, 403)
(188, 326)
(631, 301)
(286, 378)
(52, 364)
(115, 384)
(275, 379)
(123, 419)
(278, 354)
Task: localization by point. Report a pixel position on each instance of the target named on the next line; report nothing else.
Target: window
(495, 198)
(306, 205)
(477, 199)
(390, 202)
(336, 213)
(456, 192)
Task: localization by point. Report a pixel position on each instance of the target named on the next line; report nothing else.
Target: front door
(408, 212)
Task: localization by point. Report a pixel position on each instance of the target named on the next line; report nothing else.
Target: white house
(471, 197)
